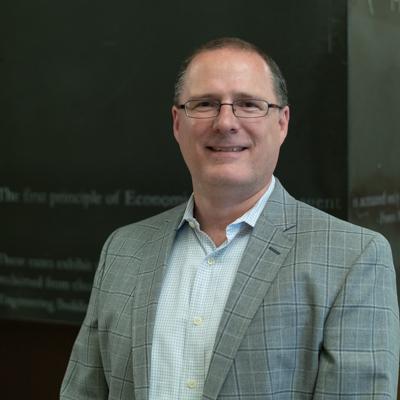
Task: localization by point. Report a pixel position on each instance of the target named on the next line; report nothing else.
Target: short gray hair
(278, 80)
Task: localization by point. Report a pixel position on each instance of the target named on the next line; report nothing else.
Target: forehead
(228, 72)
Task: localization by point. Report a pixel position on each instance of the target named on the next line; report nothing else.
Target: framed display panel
(86, 134)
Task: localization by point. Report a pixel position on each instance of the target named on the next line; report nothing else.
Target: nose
(226, 121)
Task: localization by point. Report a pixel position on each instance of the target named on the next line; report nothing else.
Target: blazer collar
(268, 247)
(154, 257)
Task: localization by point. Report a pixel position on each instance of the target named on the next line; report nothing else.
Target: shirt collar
(250, 217)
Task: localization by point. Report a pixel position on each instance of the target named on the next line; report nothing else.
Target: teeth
(227, 149)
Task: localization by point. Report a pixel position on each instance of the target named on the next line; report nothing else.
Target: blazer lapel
(267, 249)
(154, 259)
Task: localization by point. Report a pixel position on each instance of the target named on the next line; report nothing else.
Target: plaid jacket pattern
(312, 313)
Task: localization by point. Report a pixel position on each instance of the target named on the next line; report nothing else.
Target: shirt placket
(197, 319)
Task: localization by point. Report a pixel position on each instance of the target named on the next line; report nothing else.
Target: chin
(229, 180)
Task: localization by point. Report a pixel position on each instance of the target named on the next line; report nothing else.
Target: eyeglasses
(241, 108)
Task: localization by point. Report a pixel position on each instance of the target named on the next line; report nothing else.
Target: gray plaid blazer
(312, 313)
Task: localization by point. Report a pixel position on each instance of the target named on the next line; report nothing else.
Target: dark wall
(33, 359)
(86, 132)
(374, 124)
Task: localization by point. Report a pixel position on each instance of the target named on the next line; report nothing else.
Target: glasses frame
(269, 105)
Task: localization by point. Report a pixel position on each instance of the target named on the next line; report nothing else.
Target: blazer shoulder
(302, 220)
(130, 238)
(308, 214)
(313, 220)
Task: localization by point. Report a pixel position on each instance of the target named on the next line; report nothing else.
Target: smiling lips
(235, 149)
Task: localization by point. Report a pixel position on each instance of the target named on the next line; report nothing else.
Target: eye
(202, 105)
(249, 104)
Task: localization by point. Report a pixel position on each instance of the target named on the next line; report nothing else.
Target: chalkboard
(86, 139)
(374, 124)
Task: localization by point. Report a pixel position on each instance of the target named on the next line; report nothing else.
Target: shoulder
(316, 229)
(311, 219)
(133, 236)
(125, 248)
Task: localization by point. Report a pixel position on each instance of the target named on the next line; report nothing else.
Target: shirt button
(211, 261)
(191, 383)
(192, 224)
(198, 321)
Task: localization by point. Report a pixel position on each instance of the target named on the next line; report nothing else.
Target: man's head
(229, 151)
(278, 79)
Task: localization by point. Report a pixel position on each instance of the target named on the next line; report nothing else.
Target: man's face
(226, 151)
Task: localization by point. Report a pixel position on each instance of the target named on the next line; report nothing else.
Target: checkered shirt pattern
(198, 279)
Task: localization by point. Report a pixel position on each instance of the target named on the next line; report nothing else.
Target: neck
(216, 209)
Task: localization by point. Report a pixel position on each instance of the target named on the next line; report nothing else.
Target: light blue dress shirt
(196, 285)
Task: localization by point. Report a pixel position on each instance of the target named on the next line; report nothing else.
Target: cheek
(192, 135)
(188, 147)
(268, 149)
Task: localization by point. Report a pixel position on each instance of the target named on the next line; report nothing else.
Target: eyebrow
(239, 95)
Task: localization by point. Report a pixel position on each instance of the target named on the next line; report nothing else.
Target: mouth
(226, 149)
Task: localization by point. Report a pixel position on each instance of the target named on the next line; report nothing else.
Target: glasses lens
(250, 108)
(202, 108)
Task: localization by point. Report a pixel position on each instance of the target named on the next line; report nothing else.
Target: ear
(175, 122)
(284, 116)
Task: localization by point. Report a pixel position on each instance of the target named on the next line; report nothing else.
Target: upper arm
(84, 377)
(360, 351)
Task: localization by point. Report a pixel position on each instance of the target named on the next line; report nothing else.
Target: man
(243, 293)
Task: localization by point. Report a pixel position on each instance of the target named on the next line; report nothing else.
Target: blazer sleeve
(359, 357)
(84, 378)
